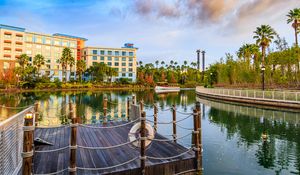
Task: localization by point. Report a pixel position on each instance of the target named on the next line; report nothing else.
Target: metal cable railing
(109, 167)
(11, 143)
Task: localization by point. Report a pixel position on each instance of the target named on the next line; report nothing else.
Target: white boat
(162, 89)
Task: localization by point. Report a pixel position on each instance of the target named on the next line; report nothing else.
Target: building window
(19, 38)
(109, 63)
(38, 40)
(48, 61)
(47, 47)
(94, 63)
(116, 64)
(123, 64)
(29, 38)
(130, 59)
(102, 58)
(7, 36)
(94, 57)
(109, 52)
(109, 58)
(94, 52)
(56, 42)
(102, 52)
(5, 65)
(123, 53)
(116, 69)
(64, 43)
(130, 64)
(130, 74)
(130, 69)
(117, 53)
(123, 59)
(123, 74)
(101, 62)
(48, 66)
(123, 69)
(48, 41)
(116, 59)
(38, 46)
(28, 52)
(130, 53)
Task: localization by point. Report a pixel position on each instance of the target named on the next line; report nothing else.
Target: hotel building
(122, 59)
(15, 41)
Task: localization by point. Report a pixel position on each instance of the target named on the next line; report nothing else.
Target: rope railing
(107, 147)
(116, 103)
(182, 127)
(52, 150)
(108, 127)
(51, 126)
(16, 107)
(172, 157)
(109, 167)
(53, 173)
(167, 140)
(171, 122)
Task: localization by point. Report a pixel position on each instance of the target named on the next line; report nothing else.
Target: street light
(263, 68)
(211, 79)
(198, 59)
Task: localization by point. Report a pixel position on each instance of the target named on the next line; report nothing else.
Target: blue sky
(161, 29)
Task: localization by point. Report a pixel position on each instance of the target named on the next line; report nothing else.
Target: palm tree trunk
(295, 28)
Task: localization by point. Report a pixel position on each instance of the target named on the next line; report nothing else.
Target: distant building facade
(122, 59)
(15, 41)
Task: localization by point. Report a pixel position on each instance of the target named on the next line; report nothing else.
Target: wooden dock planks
(55, 161)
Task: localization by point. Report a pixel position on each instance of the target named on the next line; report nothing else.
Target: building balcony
(7, 33)
(19, 49)
(7, 41)
(19, 43)
(7, 55)
(7, 48)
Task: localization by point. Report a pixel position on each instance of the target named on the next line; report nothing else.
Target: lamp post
(263, 68)
(211, 79)
(198, 59)
(203, 64)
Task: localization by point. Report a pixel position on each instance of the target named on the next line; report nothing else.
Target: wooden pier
(49, 162)
(107, 148)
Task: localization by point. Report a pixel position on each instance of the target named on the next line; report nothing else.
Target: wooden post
(73, 146)
(70, 108)
(155, 117)
(143, 142)
(28, 144)
(133, 99)
(196, 142)
(128, 108)
(105, 110)
(174, 123)
(36, 113)
(199, 123)
(142, 106)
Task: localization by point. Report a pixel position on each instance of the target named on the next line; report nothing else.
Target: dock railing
(11, 143)
(284, 96)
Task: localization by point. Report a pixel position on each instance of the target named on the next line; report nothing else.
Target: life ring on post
(134, 134)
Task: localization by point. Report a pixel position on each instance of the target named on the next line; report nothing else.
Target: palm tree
(80, 68)
(64, 60)
(111, 72)
(39, 60)
(140, 63)
(156, 63)
(294, 16)
(162, 63)
(71, 64)
(264, 36)
(23, 60)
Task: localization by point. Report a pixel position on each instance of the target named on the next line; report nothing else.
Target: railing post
(105, 110)
(73, 146)
(284, 95)
(28, 144)
(174, 123)
(155, 117)
(128, 108)
(70, 107)
(36, 113)
(133, 99)
(196, 142)
(273, 97)
(296, 96)
(143, 142)
(142, 105)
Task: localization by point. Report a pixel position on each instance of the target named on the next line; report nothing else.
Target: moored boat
(162, 89)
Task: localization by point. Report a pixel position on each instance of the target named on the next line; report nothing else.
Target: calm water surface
(231, 133)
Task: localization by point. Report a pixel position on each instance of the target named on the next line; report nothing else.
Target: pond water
(232, 134)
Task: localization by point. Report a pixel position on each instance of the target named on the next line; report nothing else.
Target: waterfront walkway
(287, 99)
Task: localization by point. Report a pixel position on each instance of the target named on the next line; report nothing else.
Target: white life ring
(132, 135)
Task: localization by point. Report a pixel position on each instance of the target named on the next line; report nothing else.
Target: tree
(71, 64)
(38, 61)
(162, 63)
(264, 36)
(156, 63)
(80, 68)
(65, 59)
(294, 16)
(23, 61)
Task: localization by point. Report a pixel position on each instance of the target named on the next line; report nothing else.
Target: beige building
(15, 41)
(122, 59)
